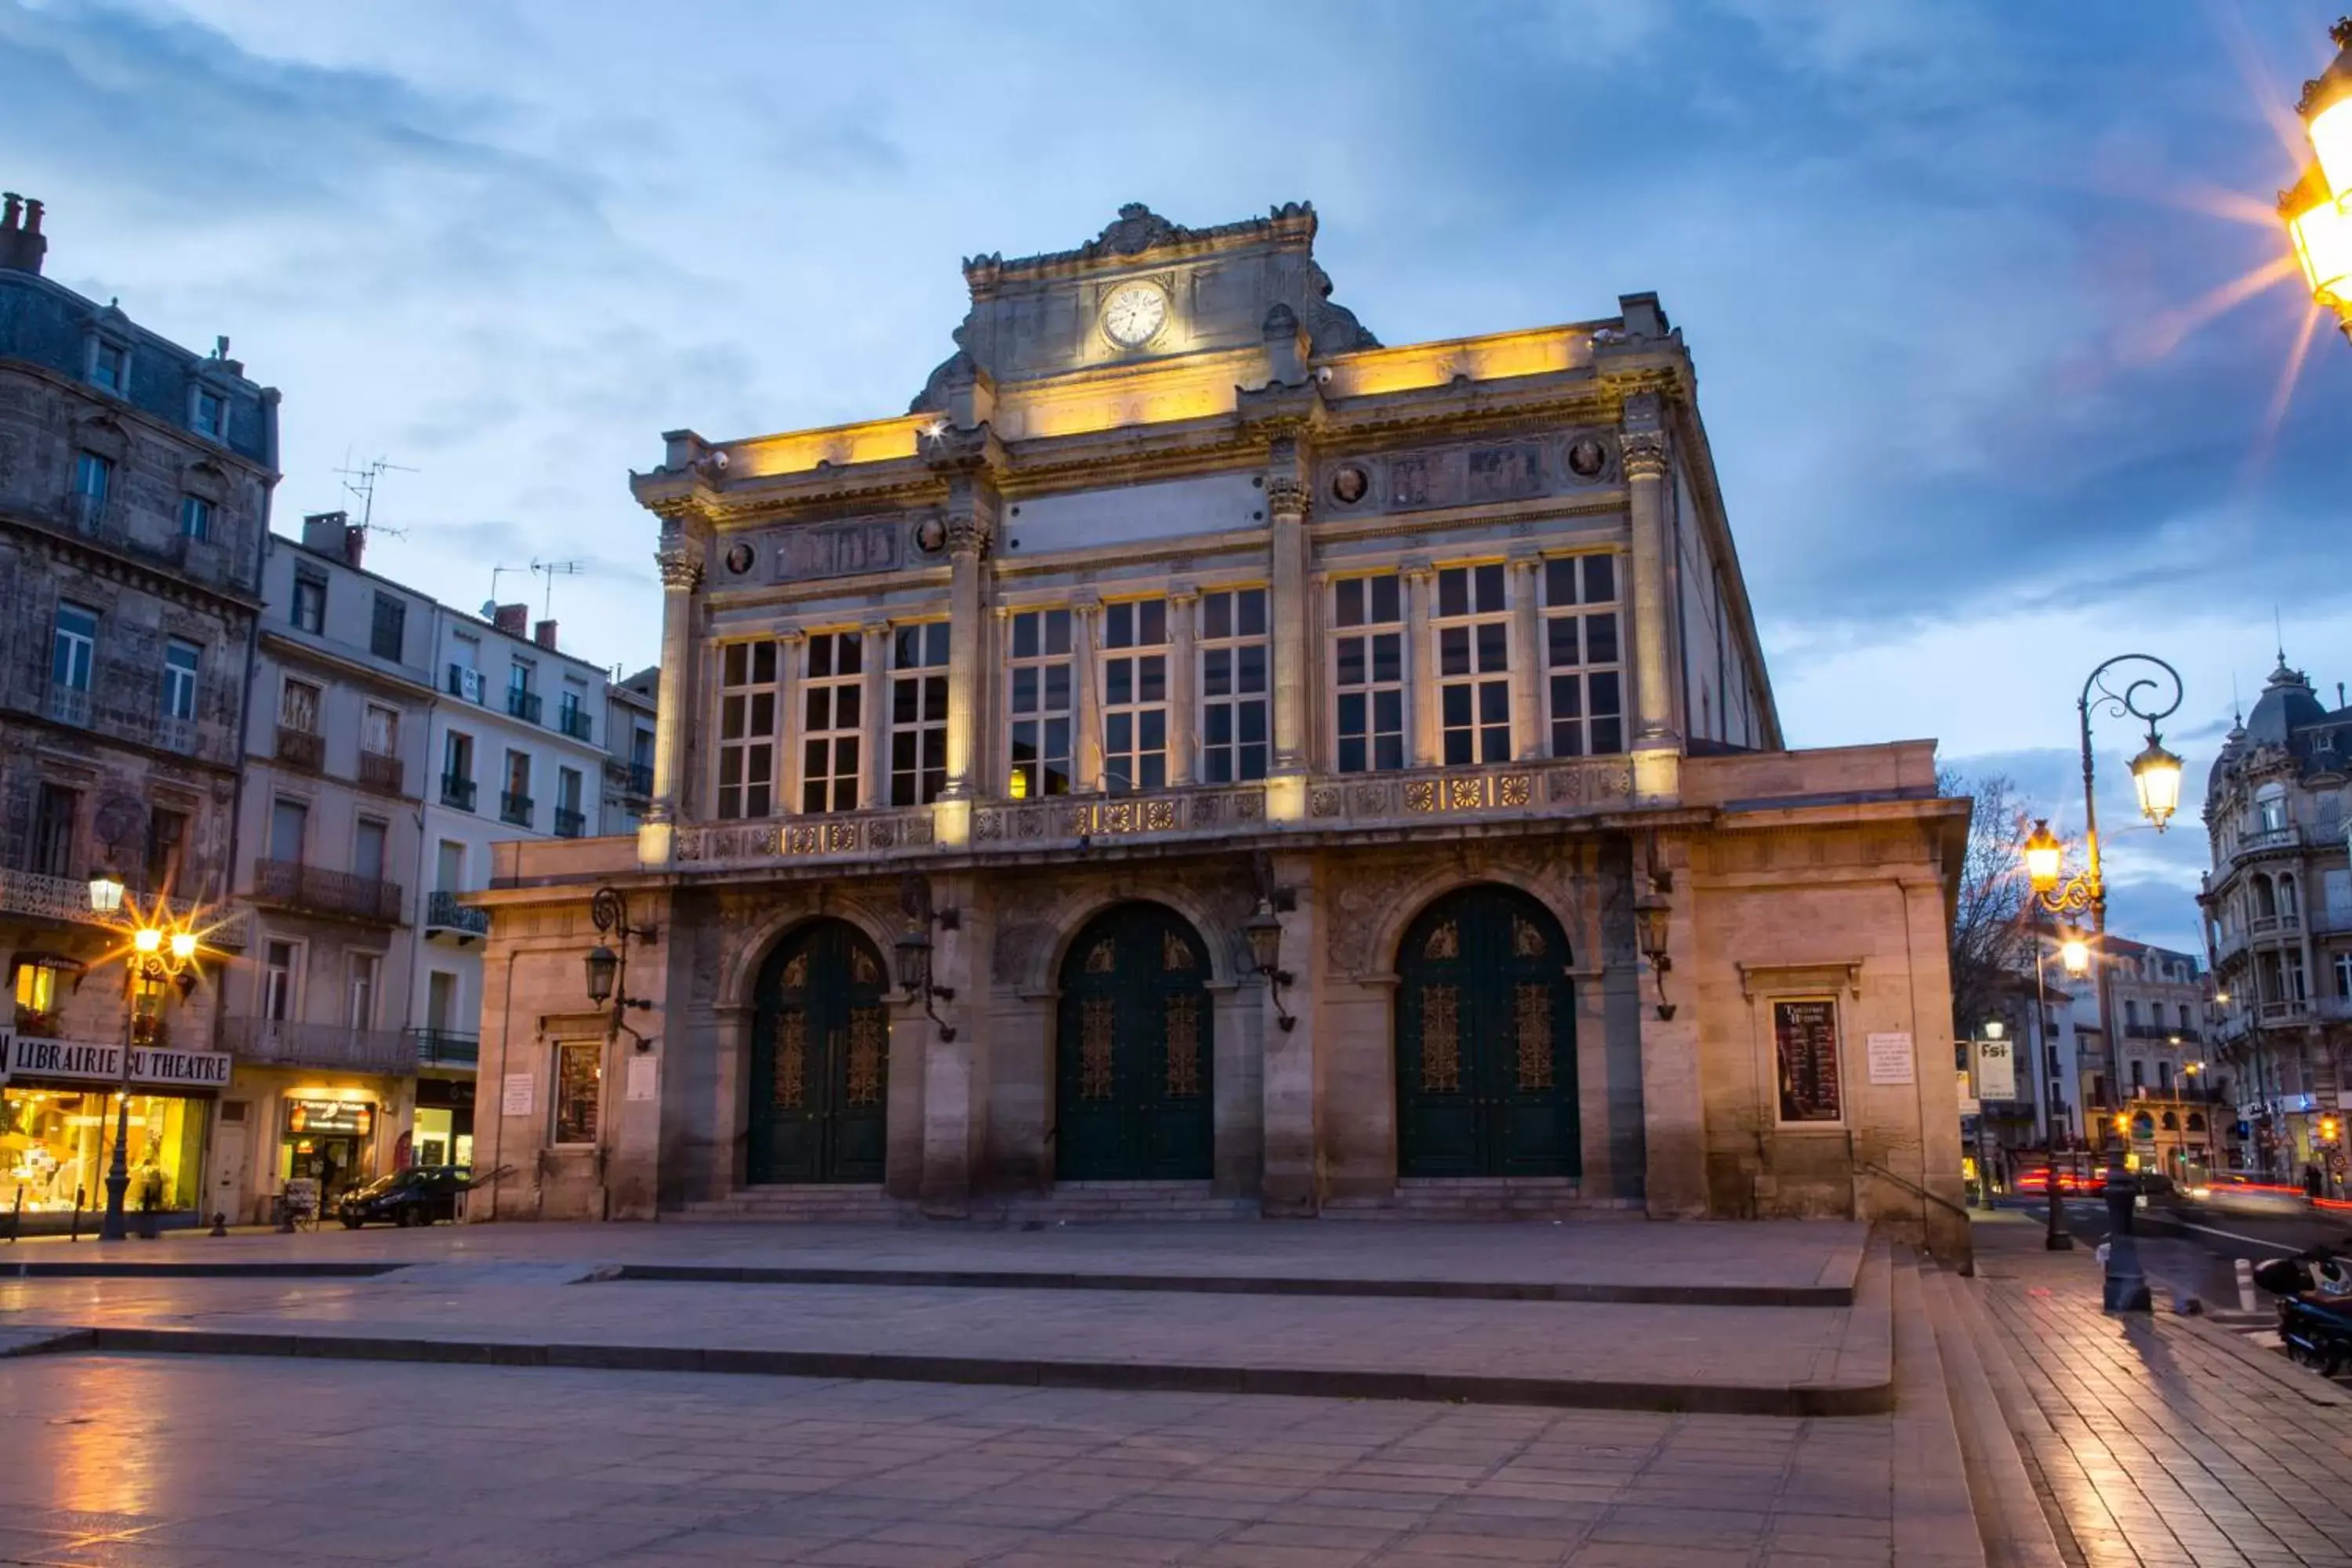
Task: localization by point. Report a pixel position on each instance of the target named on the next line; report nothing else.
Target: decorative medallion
(1587, 457)
(1102, 958)
(1323, 801)
(1421, 794)
(739, 557)
(1349, 484)
(792, 1059)
(1183, 1047)
(1527, 939)
(1175, 953)
(868, 1031)
(930, 536)
(1440, 1043)
(1445, 941)
(1531, 1023)
(796, 972)
(1094, 1048)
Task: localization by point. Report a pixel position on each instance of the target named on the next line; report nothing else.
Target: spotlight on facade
(2156, 773)
(2043, 856)
(184, 946)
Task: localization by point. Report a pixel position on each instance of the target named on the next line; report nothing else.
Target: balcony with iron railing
(282, 1042)
(576, 723)
(641, 780)
(523, 704)
(2265, 839)
(444, 916)
(445, 1047)
(313, 889)
(381, 770)
(514, 808)
(463, 681)
(70, 705)
(456, 791)
(570, 823)
(304, 749)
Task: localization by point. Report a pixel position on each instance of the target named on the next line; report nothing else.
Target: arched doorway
(820, 1060)
(1133, 1051)
(1486, 1046)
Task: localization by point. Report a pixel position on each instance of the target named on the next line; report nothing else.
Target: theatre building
(1201, 761)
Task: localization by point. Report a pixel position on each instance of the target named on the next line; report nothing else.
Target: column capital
(1418, 568)
(1645, 454)
(791, 637)
(679, 560)
(1086, 605)
(1286, 497)
(876, 628)
(968, 532)
(1184, 593)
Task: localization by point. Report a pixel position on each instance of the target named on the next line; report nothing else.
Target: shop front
(58, 1099)
(328, 1142)
(443, 1133)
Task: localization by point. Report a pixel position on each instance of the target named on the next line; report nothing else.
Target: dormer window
(110, 366)
(208, 414)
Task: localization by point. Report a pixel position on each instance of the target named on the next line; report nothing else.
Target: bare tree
(1992, 938)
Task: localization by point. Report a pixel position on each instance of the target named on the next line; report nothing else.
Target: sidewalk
(2157, 1439)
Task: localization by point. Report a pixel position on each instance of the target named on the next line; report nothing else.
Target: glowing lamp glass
(2331, 137)
(2074, 953)
(2156, 773)
(147, 939)
(105, 893)
(602, 962)
(1264, 932)
(2044, 857)
(184, 946)
(2323, 243)
(1994, 1029)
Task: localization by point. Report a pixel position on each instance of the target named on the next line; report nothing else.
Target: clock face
(1133, 314)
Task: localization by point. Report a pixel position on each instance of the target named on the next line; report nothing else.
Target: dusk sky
(1971, 288)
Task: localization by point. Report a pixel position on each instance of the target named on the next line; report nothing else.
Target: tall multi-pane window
(309, 607)
(1037, 703)
(297, 707)
(1233, 686)
(366, 968)
(515, 803)
(918, 713)
(282, 972)
(195, 517)
(110, 366)
(832, 721)
(388, 631)
(747, 729)
(209, 415)
(93, 479)
(1474, 652)
(181, 662)
(1368, 673)
(54, 812)
(1135, 695)
(1586, 685)
(71, 646)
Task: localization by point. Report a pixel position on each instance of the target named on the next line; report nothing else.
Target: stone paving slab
(1710, 1261)
(337, 1464)
(1769, 1360)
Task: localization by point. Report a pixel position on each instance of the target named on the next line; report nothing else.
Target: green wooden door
(1485, 1040)
(1132, 1051)
(820, 1060)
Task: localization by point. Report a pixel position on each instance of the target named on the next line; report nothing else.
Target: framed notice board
(1805, 1054)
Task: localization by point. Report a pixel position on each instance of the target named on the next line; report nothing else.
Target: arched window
(2265, 901)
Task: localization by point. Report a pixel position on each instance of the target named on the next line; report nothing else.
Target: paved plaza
(2025, 1427)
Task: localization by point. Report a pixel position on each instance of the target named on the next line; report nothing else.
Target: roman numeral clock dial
(1133, 314)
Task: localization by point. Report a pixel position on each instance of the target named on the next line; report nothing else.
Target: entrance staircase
(847, 1203)
(1478, 1197)
(1070, 1203)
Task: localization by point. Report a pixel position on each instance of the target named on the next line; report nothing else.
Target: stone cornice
(131, 569)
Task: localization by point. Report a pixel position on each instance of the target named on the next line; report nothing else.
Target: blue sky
(1938, 264)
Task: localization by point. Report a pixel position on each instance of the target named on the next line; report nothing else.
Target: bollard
(220, 1223)
(2246, 1302)
(74, 1235)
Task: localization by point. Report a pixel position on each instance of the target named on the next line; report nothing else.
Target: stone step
(1472, 1197)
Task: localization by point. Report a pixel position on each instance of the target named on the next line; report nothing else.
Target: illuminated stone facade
(1178, 604)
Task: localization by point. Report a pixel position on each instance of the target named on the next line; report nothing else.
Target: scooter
(2314, 1293)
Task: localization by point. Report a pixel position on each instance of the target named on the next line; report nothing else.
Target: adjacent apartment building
(2278, 917)
(135, 483)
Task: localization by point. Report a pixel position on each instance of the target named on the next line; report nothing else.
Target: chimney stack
(511, 619)
(354, 543)
(22, 244)
(327, 532)
(544, 634)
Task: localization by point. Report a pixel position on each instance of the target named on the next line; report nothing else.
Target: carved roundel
(930, 536)
(739, 556)
(1349, 485)
(1587, 457)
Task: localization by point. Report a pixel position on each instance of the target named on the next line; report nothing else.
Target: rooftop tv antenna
(361, 482)
(550, 570)
(491, 605)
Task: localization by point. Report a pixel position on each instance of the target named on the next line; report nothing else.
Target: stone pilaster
(874, 780)
(1286, 503)
(954, 1090)
(1643, 445)
(1421, 662)
(1290, 1185)
(968, 538)
(1673, 1099)
(791, 661)
(1526, 675)
(1085, 742)
(680, 558)
(1183, 703)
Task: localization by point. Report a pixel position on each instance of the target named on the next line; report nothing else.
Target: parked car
(417, 1195)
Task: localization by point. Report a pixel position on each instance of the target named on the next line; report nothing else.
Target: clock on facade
(1133, 314)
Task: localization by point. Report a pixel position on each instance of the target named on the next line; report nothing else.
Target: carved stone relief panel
(1483, 474)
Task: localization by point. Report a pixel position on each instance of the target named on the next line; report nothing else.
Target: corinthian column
(967, 544)
(680, 559)
(1286, 500)
(1645, 474)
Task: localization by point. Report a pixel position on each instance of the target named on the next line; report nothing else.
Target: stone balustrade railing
(1385, 800)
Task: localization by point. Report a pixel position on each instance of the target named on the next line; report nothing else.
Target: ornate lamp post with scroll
(159, 949)
(2317, 210)
(2156, 775)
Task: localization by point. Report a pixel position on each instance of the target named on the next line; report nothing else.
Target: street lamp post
(162, 949)
(2054, 1239)
(2317, 209)
(2156, 776)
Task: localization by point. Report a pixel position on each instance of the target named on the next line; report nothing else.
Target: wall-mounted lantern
(608, 972)
(1264, 932)
(914, 948)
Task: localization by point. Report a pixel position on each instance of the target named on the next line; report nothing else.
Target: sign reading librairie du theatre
(93, 1061)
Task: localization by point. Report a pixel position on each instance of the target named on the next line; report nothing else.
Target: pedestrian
(2310, 1180)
